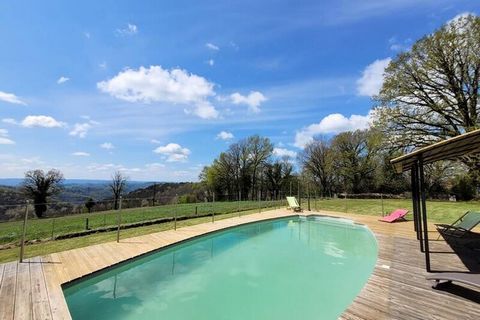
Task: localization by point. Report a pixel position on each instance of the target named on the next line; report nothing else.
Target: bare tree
(39, 186)
(118, 184)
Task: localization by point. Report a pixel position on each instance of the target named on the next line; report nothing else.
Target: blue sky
(159, 88)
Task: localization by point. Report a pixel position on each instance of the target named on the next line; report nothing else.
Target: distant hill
(165, 192)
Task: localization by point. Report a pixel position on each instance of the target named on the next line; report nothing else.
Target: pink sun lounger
(396, 215)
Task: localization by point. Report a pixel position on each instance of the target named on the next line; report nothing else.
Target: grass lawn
(438, 211)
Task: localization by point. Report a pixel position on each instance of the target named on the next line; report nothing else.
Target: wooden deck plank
(23, 292)
(7, 291)
(40, 301)
(394, 291)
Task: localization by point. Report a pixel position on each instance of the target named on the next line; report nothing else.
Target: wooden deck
(397, 288)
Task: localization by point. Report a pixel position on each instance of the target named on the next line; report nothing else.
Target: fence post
(175, 213)
(259, 201)
(53, 227)
(213, 208)
(308, 196)
(346, 203)
(239, 200)
(119, 218)
(24, 231)
(381, 197)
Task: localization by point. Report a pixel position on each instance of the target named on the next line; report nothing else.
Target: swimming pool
(288, 268)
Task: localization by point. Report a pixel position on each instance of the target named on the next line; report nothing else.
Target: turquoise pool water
(289, 268)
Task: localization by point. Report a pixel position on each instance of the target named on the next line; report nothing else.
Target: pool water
(289, 268)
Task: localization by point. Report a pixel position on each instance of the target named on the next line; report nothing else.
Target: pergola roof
(450, 149)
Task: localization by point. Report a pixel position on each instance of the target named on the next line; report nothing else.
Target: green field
(438, 211)
(49, 228)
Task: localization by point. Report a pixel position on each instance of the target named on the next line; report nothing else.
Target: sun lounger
(472, 279)
(396, 215)
(461, 226)
(293, 204)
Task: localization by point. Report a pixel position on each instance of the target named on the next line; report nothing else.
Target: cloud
(173, 152)
(155, 141)
(372, 78)
(282, 152)
(129, 30)
(102, 65)
(211, 62)
(10, 98)
(211, 46)
(81, 154)
(107, 146)
(41, 121)
(80, 129)
(4, 139)
(155, 84)
(253, 100)
(332, 124)
(62, 79)
(224, 135)
(9, 121)
(396, 45)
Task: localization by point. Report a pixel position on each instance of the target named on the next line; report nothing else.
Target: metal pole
(24, 231)
(424, 216)
(119, 219)
(175, 213)
(417, 206)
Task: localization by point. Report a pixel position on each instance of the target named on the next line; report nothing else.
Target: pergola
(467, 144)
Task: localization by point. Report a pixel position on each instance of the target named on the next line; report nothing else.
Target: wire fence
(29, 224)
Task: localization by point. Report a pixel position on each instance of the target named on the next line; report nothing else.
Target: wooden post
(24, 231)
(175, 213)
(119, 219)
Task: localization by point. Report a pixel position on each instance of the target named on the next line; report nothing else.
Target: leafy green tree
(39, 186)
(431, 92)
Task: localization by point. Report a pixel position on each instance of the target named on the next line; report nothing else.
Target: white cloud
(155, 84)
(224, 135)
(332, 124)
(155, 141)
(41, 121)
(211, 62)
(211, 46)
(10, 98)
(102, 65)
(107, 146)
(9, 121)
(4, 139)
(173, 152)
(129, 30)
(253, 100)
(62, 79)
(282, 152)
(372, 78)
(397, 45)
(80, 129)
(81, 154)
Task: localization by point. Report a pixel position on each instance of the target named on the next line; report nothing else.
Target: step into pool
(287, 268)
